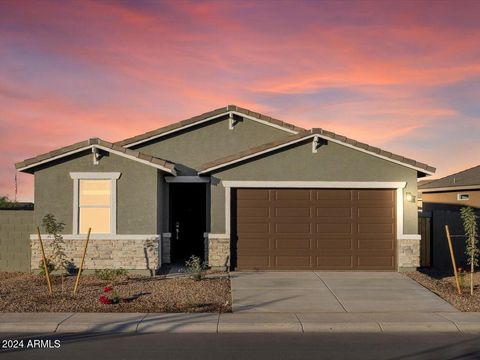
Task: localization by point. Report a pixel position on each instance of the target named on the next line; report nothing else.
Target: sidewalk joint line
(218, 321)
(61, 322)
(141, 320)
(328, 287)
(380, 326)
(301, 325)
(453, 322)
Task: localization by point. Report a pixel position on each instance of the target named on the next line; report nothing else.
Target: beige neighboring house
(451, 192)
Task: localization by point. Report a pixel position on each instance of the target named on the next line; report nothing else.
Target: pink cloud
(114, 69)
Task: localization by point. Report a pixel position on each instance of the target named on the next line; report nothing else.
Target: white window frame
(113, 177)
(459, 196)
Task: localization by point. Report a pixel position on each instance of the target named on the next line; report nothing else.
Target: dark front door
(187, 220)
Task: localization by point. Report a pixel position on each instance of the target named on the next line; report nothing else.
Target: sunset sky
(403, 76)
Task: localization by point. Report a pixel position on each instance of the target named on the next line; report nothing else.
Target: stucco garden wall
(15, 229)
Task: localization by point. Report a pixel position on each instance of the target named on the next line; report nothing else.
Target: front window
(95, 206)
(95, 202)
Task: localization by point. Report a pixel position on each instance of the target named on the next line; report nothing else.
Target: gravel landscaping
(444, 286)
(20, 292)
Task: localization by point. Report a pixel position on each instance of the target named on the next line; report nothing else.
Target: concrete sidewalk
(46, 323)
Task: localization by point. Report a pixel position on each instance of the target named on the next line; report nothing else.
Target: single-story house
(451, 192)
(238, 189)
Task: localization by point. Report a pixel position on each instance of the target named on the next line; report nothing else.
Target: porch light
(410, 197)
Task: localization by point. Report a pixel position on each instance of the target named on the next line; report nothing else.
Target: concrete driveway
(352, 292)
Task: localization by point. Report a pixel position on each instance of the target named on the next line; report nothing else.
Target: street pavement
(106, 346)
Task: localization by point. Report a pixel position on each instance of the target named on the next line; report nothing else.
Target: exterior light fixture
(410, 197)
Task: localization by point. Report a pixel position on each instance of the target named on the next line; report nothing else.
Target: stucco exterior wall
(138, 211)
(450, 198)
(333, 162)
(207, 142)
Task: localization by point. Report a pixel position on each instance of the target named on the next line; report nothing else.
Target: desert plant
(110, 274)
(109, 296)
(195, 268)
(469, 218)
(55, 228)
(50, 266)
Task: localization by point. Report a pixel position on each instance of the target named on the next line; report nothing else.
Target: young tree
(469, 218)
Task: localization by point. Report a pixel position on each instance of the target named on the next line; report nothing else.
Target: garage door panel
(375, 228)
(246, 228)
(337, 194)
(374, 244)
(292, 243)
(253, 243)
(368, 212)
(334, 211)
(386, 195)
(296, 261)
(262, 212)
(331, 229)
(338, 244)
(253, 262)
(290, 228)
(334, 228)
(335, 261)
(292, 212)
(292, 194)
(253, 194)
(375, 261)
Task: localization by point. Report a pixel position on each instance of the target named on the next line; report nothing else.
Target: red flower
(107, 289)
(104, 300)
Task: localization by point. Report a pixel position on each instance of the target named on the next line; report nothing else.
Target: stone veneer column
(408, 254)
(218, 252)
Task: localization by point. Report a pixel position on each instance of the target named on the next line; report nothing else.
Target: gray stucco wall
(15, 229)
(137, 189)
(333, 162)
(206, 142)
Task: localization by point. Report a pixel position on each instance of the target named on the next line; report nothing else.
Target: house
(441, 201)
(452, 192)
(238, 189)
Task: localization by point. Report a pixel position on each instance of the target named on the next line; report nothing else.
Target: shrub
(195, 268)
(110, 274)
(50, 266)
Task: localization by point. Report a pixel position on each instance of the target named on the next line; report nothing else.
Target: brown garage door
(329, 229)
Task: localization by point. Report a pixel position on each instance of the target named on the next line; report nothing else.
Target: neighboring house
(236, 188)
(452, 191)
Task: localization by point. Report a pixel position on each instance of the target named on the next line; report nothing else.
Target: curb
(140, 323)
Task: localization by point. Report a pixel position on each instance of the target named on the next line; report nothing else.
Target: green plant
(55, 228)
(6, 203)
(469, 218)
(195, 268)
(110, 274)
(50, 266)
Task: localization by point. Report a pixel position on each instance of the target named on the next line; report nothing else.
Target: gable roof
(158, 163)
(208, 116)
(327, 135)
(465, 178)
